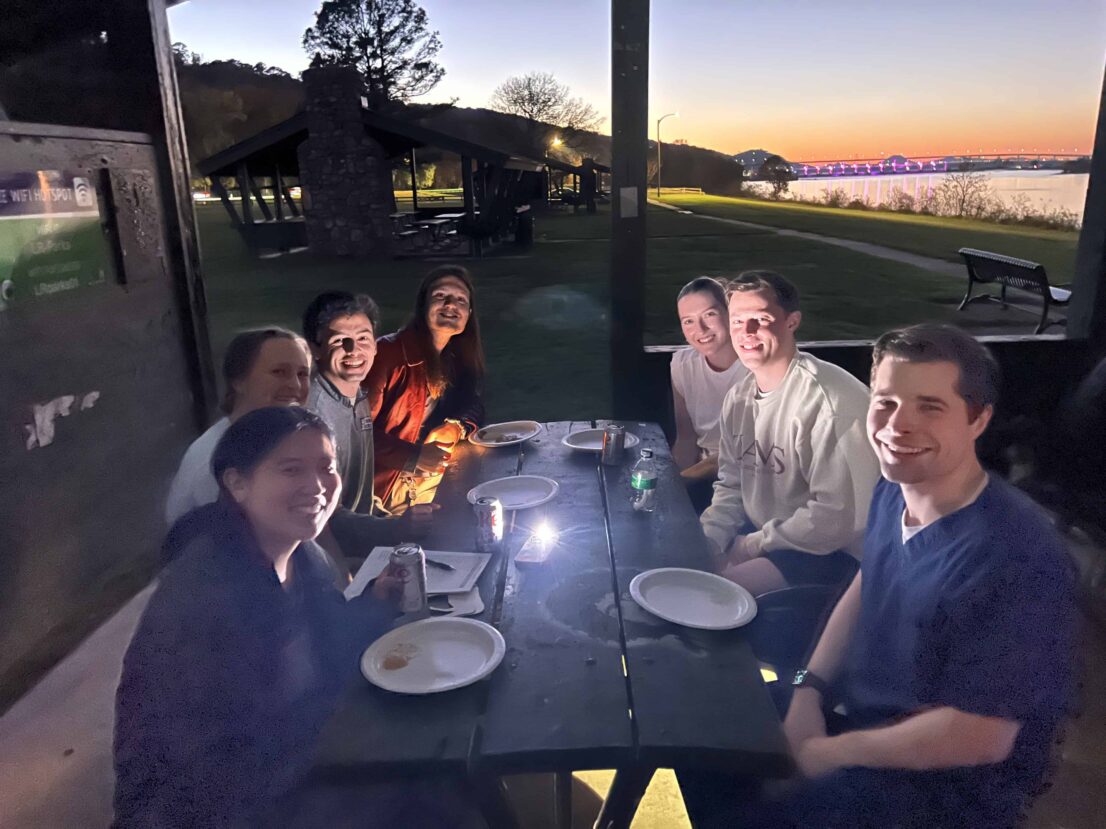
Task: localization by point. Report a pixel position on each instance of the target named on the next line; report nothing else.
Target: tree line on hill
(391, 45)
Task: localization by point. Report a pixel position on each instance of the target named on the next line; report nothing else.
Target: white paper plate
(693, 598)
(517, 491)
(591, 440)
(506, 434)
(433, 655)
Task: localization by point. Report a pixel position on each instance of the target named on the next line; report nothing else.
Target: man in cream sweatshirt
(796, 471)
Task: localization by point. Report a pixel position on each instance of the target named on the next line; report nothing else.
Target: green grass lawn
(926, 235)
(544, 310)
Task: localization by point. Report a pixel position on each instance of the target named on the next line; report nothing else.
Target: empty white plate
(506, 434)
(433, 655)
(591, 440)
(693, 598)
(517, 491)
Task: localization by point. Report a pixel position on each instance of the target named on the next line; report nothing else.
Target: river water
(1045, 189)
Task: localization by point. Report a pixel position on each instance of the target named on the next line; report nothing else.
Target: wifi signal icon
(83, 193)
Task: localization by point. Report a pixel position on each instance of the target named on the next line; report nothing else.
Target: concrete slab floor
(56, 768)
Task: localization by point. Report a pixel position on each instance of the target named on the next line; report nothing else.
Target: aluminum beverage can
(408, 564)
(614, 444)
(489, 524)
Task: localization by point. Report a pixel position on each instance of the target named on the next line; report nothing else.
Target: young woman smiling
(262, 367)
(701, 377)
(246, 642)
(425, 386)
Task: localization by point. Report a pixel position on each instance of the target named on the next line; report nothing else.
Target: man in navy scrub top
(952, 650)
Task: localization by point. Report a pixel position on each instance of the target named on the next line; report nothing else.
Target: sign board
(51, 240)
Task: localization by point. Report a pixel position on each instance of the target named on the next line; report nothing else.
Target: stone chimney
(346, 177)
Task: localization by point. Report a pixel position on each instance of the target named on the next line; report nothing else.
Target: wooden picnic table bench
(1010, 272)
(589, 680)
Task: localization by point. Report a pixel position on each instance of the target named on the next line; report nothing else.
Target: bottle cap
(647, 453)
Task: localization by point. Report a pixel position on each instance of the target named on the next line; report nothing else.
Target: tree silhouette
(546, 102)
(388, 41)
(777, 173)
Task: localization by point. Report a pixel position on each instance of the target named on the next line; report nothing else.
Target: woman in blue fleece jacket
(246, 643)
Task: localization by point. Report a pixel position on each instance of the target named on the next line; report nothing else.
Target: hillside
(226, 102)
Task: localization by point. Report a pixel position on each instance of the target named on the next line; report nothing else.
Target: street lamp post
(669, 115)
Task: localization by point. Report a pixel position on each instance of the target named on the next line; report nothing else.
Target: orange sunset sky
(809, 79)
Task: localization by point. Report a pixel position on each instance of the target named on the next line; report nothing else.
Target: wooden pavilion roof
(278, 145)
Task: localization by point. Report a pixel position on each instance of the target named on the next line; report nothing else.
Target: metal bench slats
(1011, 272)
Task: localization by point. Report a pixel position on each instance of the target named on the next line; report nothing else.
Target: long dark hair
(462, 360)
(241, 354)
(244, 445)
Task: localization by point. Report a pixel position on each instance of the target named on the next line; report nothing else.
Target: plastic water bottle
(643, 483)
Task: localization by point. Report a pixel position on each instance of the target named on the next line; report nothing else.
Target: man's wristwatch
(808, 679)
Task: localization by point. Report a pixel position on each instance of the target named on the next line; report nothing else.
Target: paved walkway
(55, 742)
(928, 263)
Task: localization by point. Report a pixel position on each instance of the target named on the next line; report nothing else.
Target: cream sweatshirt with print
(796, 462)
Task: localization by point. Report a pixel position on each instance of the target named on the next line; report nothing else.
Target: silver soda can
(408, 564)
(614, 444)
(489, 524)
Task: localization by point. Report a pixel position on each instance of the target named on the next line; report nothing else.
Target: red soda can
(489, 524)
(408, 564)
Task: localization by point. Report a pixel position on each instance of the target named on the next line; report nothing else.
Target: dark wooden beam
(167, 128)
(224, 197)
(414, 183)
(468, 194)
(629, 133)
(243, 177)
(292, 207)
(1087, 312)
(278, 189)
(255, 188)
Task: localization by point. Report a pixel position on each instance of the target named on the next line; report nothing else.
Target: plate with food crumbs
(591, 440)
(506, 434)
(433, 655)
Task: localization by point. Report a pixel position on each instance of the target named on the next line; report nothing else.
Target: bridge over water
(898, 164)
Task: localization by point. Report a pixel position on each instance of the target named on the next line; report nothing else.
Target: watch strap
(805, 678)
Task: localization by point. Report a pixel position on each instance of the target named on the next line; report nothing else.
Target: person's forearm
(684, 451)
(726, 513)
(941, 738)
(833, 645)
(704, 470)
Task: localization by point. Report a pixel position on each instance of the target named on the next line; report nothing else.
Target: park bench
(1009, 272)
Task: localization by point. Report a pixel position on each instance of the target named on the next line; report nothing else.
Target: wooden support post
(629, 145)
(414, 183)
(260, 196)
(1087, 312)
(468, 193)
(244, 191)
(278, 188)
(468, 188)
(481, 182)
(292, 208)
(224, 197)
(588, 184)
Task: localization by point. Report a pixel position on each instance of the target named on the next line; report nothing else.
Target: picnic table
(589, 680)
